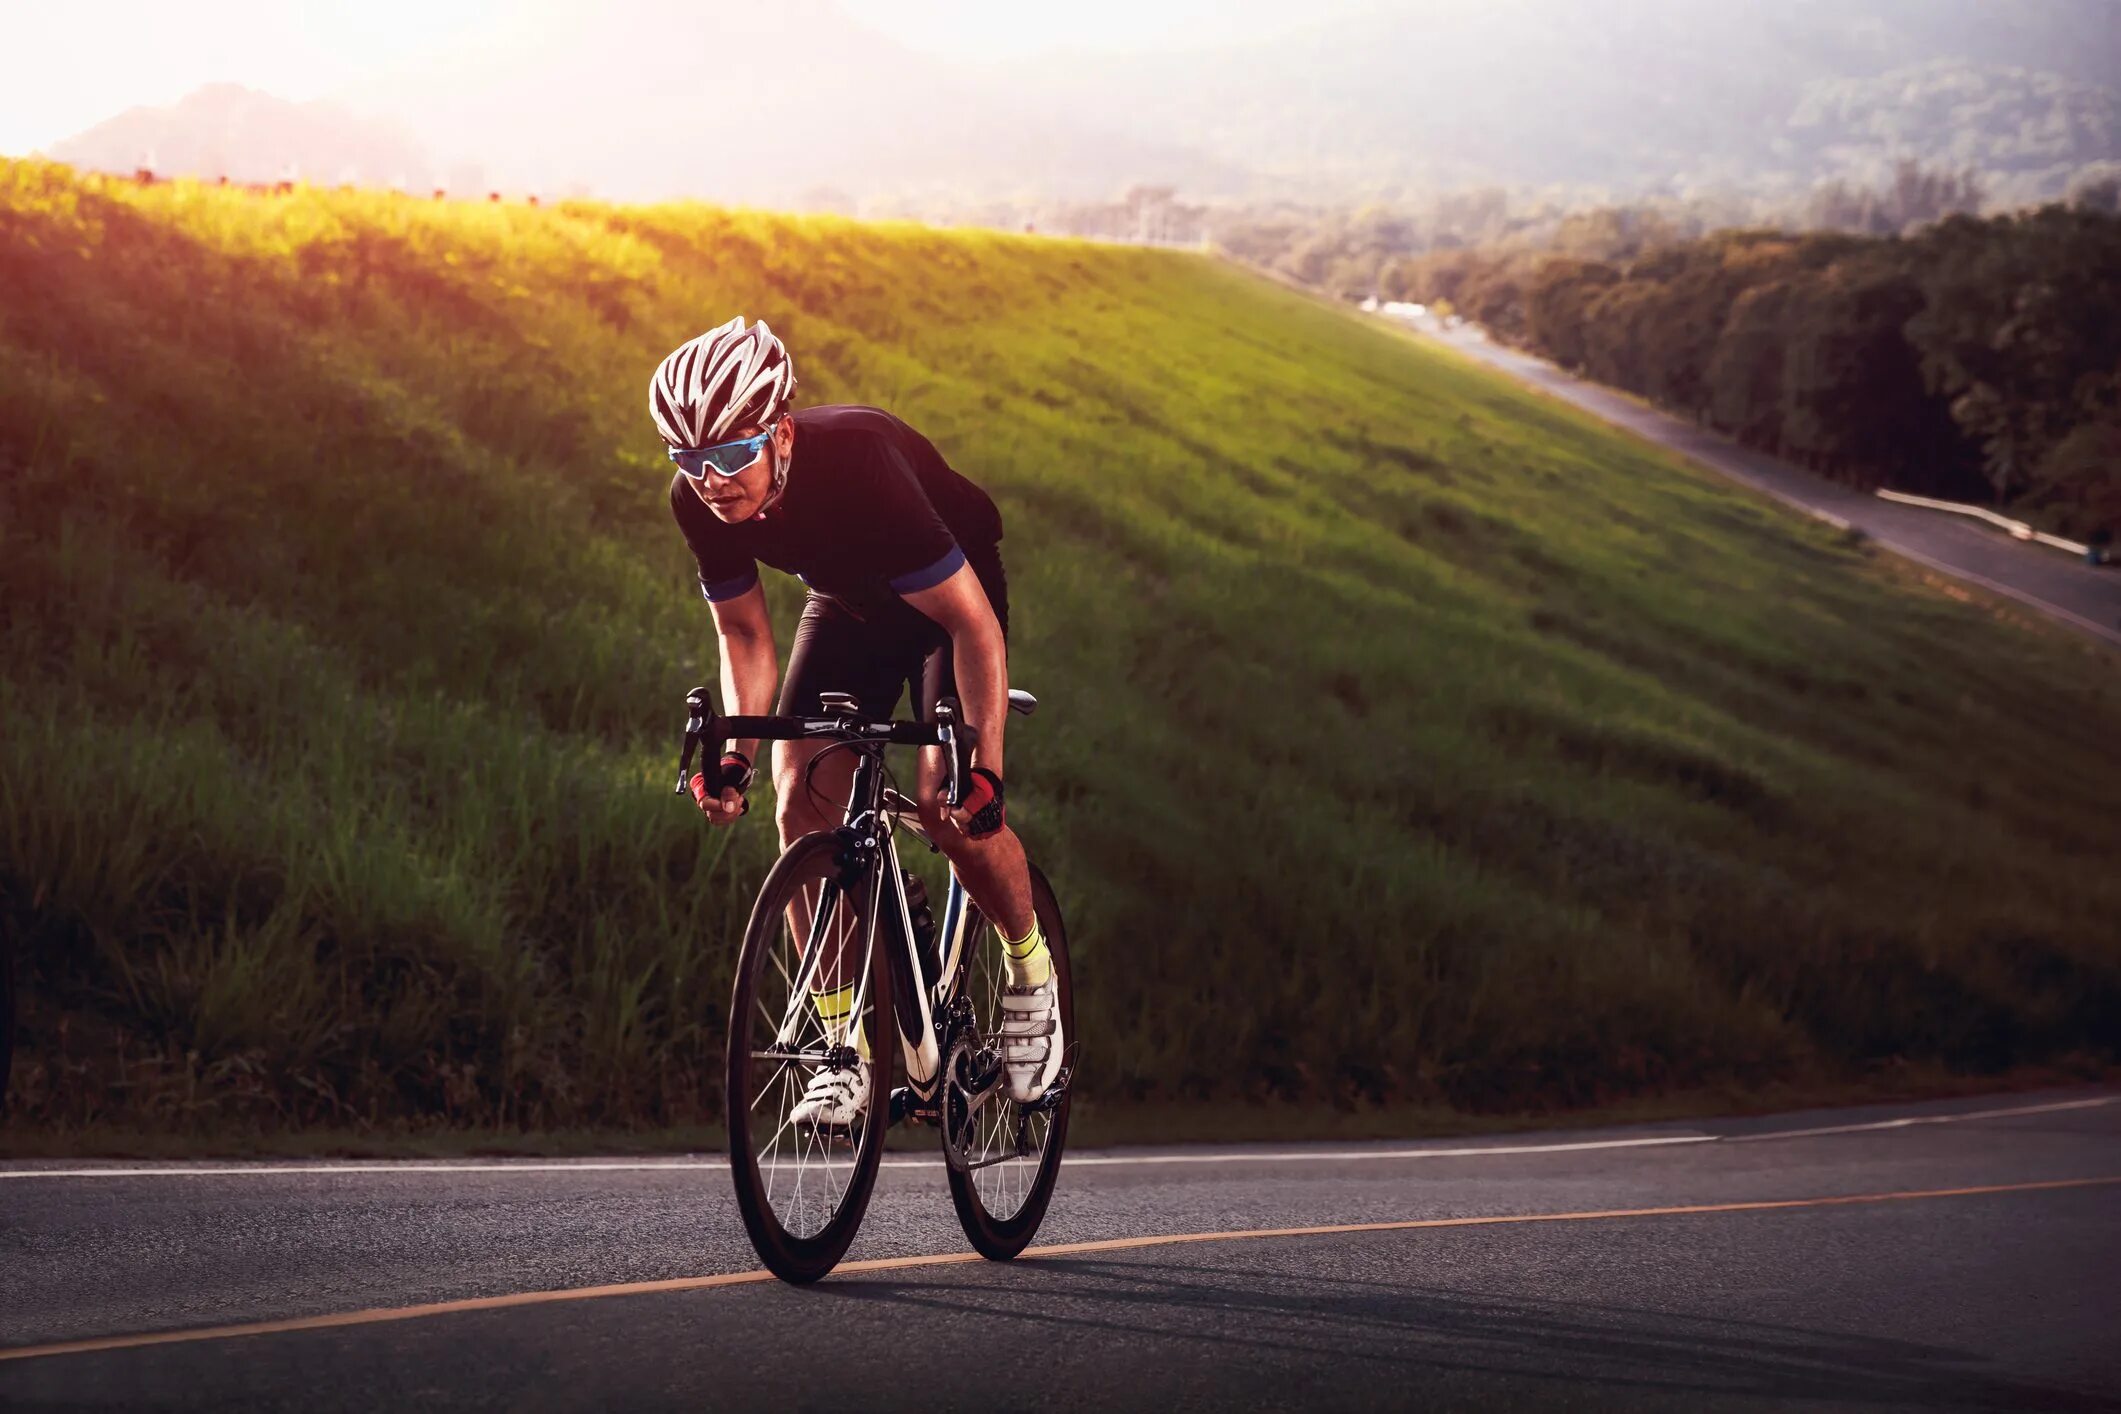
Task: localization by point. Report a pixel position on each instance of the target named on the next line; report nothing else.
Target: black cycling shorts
(874, 661)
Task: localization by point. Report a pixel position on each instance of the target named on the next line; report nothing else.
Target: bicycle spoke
(818, 944)
(1002, 1179)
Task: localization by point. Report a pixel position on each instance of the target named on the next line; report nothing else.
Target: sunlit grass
(1407, 738)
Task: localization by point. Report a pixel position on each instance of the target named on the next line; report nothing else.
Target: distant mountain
(1630, 95)
(2028, 130)
(247, 136)
(794, 103)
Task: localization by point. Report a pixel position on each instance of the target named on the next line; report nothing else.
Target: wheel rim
(1003, 1180)
(804, 1173)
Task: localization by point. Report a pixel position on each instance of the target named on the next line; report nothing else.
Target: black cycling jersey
(871, 512)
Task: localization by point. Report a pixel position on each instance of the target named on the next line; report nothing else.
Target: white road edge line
(414, 1167)
(1909, 1120)
(1338, 1156)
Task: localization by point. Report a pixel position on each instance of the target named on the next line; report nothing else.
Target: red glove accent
(735, 770)
(983, 802)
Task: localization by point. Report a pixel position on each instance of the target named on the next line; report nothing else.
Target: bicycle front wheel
(1012, 1153)
(811, 1002)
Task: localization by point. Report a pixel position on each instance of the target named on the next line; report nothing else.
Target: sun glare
(972, 29)
(68, 67)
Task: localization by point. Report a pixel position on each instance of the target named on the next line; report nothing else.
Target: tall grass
(1406, 737)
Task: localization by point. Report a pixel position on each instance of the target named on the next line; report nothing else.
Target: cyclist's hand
(722, 799)
(981, 813)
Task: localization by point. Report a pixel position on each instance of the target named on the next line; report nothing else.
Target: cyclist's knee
(793, 811)
(801, 807)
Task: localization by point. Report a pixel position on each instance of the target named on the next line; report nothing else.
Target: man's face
(738, 498)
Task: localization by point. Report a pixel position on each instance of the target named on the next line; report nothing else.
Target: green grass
(1410, 743)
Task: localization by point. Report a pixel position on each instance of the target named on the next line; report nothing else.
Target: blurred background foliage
(1974, 359)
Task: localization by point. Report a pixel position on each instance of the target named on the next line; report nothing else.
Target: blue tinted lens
(726, 458)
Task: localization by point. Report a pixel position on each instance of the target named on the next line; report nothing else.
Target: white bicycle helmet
(728, 377)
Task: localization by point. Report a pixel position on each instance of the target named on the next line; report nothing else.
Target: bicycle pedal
(1055, 1093)
(907, 1107)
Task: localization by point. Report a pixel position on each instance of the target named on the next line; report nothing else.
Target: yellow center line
(382, 1314)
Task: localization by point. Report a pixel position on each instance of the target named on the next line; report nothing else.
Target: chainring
(972, 1079)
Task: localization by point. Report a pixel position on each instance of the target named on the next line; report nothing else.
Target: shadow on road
(1342, 1331)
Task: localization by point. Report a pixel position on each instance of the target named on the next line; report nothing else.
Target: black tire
(794, 1249)
(1002, 1236)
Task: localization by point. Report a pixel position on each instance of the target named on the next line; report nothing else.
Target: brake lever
(951, 733)
(701, 707)
(946, 737)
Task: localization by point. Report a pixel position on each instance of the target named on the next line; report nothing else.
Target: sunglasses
(723, 458)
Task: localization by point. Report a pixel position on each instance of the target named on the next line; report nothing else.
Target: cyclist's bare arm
(751, 670)
(959, 607)
(993, 866)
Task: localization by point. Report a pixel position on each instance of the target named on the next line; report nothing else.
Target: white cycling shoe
(1032, 1044)
(834, 1099)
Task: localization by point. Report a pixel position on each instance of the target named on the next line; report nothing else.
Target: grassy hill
(1408, 739)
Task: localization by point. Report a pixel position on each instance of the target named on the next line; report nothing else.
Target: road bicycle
(839, 917)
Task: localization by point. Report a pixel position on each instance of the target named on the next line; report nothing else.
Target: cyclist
(902, 560)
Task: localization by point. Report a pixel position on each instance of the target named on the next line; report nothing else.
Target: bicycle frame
(925, 1010)
(869, 847)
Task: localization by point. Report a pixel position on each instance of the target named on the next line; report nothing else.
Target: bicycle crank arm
(977, 1099)
(907, 1107)
(1055, 1093)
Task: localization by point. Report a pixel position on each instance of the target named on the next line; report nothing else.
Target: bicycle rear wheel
(802, 1189)
(1013, 1152)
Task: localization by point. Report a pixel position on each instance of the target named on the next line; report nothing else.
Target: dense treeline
(1377, 249)
(1977, 359)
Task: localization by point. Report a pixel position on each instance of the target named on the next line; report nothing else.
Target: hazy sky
(996, 28)
(69, 65)
(66, 66)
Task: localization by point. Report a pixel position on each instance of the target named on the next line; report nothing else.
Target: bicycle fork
(913, 1003)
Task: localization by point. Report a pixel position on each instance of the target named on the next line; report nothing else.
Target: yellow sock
(1026, 959)
(833, 1008)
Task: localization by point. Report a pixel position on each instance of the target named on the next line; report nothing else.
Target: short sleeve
(918, 552)
(726, 572)
(734, 586)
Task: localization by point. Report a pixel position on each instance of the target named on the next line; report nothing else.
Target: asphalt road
(1960, 1255)
(2041, 577)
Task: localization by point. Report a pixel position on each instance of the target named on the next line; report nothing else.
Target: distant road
(2063, 587)
(1957, 1256)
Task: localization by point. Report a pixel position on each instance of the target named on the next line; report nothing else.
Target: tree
(1495, 297)
(1853, 398)
(1745, 368)
(2021, 330)
(1556, 303)
(1693, 300)
(2076, 487)
(2097, 188)
(1914, 196)
(1616, 334)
